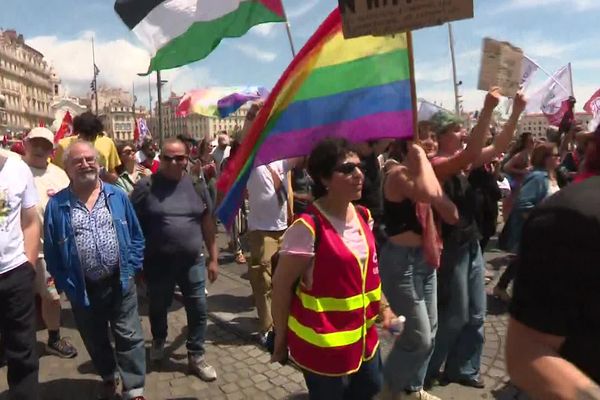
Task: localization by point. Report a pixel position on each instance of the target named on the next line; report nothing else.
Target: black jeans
(17, 331)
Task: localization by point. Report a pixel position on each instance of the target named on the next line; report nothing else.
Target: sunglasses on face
(349, 167)
(127, 152)
(179, 158)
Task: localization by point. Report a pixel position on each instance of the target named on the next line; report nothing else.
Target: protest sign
(385, 17)
(502, 66)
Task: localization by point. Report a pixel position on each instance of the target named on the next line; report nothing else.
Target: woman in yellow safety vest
(326, 288)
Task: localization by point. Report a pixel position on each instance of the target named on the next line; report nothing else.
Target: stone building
(27, 85)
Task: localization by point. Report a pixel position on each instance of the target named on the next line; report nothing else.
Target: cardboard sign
(502, 66)
(385, 17)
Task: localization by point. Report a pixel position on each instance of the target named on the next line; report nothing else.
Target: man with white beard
(93, 245)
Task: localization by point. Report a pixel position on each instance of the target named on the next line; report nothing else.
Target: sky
(552, 32)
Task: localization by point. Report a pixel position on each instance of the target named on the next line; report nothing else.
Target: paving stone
(230, 388)
(258, 378)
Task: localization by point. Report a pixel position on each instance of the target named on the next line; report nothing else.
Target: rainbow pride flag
(218, 102)
(358, 88)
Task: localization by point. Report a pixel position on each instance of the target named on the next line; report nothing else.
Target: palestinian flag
(179, 32)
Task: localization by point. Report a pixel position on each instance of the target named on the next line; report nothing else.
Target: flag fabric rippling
(358, 88)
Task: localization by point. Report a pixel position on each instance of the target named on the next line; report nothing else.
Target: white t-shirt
(48, 182)
(266, 214)
(17, 191)
(219, 155)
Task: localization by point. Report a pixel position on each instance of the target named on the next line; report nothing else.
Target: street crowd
(352, 234)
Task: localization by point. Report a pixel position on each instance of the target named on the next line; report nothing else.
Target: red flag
(42, 124)
(66, 128)
(593, 107)
(136, 132)
(5, 140)
(593, 104)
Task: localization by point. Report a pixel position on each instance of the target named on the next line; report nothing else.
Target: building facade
(538, 124)
(119, 121)
(27, 85)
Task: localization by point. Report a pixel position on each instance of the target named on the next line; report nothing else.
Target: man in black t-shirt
(553, 344)
(175, 213)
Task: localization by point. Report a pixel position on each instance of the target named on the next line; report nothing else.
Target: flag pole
(160, 121)
(571, 79)
(95, 75)
(454, 77)
(288, 29)
(549, 74)
(413, 85)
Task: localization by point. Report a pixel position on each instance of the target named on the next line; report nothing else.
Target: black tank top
(459, 190)
(400, 217)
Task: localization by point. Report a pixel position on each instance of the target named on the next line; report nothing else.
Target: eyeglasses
(178, 158)
(88, 161)
(349, 167)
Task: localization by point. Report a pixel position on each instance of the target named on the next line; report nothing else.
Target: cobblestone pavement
(243, 368)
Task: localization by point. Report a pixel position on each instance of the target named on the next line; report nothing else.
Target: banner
(383, 17)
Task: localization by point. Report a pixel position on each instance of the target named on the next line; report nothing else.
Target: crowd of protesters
(352, 233)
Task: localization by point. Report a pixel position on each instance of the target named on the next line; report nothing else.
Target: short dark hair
(540, 154)
(87, 124)
(323, 159)
(174, 140)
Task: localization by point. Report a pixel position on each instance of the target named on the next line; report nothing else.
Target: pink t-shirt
(298, 239)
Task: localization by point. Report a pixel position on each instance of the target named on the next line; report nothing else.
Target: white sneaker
(157, 351)
(420, 395)
(199, 367)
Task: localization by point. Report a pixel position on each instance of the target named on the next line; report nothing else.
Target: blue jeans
(161, 287)
(110, 306)
(361, 385)
(410, 285)
(462, 308)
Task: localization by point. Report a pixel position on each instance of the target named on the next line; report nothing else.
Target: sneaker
(502, 294)
(198, 366)
(157, 351)
(420, 395)
(240, 258)
(262, 338)
(138, 398)
(62, 348)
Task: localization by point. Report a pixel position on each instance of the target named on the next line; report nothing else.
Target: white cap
(43, 133)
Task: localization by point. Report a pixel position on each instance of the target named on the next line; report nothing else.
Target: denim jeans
(161, 287)
(110, 306)
(462, 308)
(410, 285)
(361, 385)
(17, 332)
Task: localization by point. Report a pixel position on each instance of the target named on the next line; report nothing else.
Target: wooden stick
(413, 85)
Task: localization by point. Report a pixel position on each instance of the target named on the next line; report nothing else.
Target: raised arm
(445, 167)
(416, 181)
(502, 141)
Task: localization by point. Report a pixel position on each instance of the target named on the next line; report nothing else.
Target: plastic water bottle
(397, 326)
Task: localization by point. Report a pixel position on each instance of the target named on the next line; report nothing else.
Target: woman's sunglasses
(349, 167)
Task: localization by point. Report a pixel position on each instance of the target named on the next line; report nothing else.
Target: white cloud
(119, 62)
(264, 30)
(255, 52)
(304, 8)
(443, 95)
(577, 5)
(440, 70)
